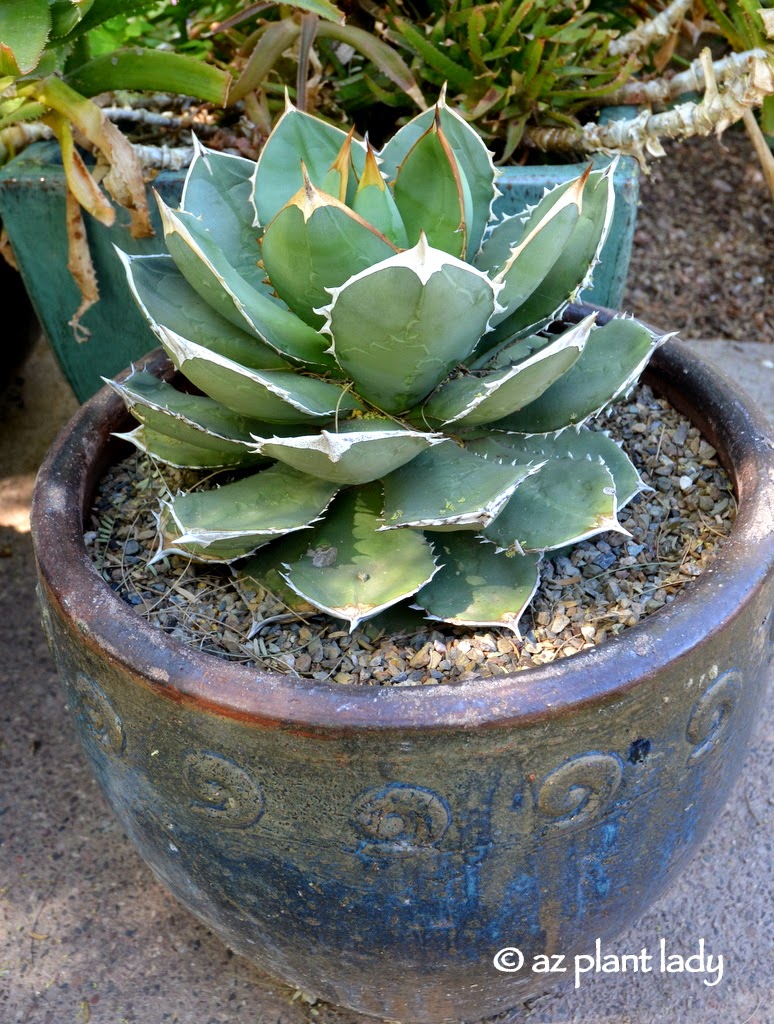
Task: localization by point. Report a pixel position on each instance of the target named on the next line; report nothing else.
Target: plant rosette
(33, 191)
(377, 847)
(377, 359)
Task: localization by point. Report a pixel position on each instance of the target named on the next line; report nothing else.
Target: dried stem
(160, 158)
(693, 79)
(761, 148)
(652, 31)
(642, 135)
(139, 115)
(17, 137)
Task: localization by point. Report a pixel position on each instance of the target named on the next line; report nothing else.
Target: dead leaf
(80, 265)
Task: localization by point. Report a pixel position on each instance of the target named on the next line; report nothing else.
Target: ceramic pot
(378, 847)
(32, 204)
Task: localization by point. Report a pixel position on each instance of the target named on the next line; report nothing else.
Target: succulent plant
(380, 361)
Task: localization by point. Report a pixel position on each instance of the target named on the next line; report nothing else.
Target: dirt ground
(702, 257)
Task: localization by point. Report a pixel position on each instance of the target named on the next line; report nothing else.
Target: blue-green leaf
(168, 301)
(315, 244)
(473, 160)
(430, 194)
(274, 396)
(476, 586)
(297, 139)
(400, 327)
(612, 360)
(567, 500)
(233, 520)
(490, 395)
(352, 570)
(217, 191)
(209, 272)
(450, 488)
(361, 450)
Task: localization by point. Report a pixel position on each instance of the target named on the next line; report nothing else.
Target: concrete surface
(88, 935)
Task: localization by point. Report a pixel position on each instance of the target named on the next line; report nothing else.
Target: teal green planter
(32, 206)
(523, 186)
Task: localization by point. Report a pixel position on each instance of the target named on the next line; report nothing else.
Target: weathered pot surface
(377, 847)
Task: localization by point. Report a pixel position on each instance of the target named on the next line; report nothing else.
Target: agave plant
(380, 360)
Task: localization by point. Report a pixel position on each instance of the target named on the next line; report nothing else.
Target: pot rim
(735, 427)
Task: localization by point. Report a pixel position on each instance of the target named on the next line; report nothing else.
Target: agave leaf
(510, 352)
(208, 271)
(352, 570)
(614, 357)
(374, 202)
(595, 444)
(400, 327)
(268, 504)
(430, 195)
(273, 396)
(196, 420)
(360, 451)
(501, 239)
(473, 159)
(174, 450)
(531, 260)
(299, 138)
(336, 182)
(314, 244)
(450, 488)
(144, 393)
(490, 395)
(580, 444)
(262, 572)
(167, 300)
(572, 270)
(217, 191)
(565, 501)
(511, 230)
(476, 586)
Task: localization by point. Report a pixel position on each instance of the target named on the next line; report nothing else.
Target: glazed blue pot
(377, 847)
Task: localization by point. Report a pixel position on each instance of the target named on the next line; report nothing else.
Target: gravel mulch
(586, 595)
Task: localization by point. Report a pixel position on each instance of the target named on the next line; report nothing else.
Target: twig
(761, 148)
(642, 135)
(160, 158)
(653, 31)
(17, 137)
(152, 118)
(693, 79)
